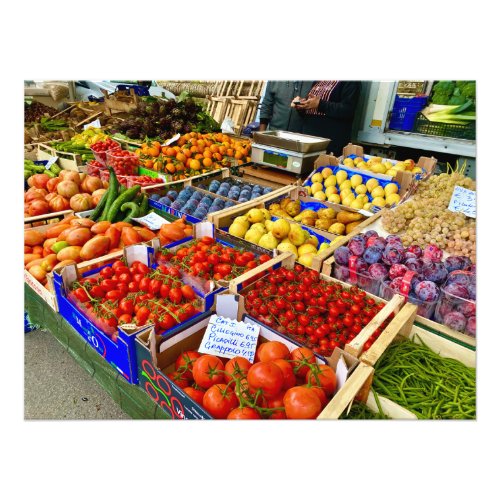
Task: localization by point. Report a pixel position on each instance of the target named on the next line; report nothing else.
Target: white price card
(96, 124)
(230, 338)
(51, 162)
(173, 139)
(152, 221)
(341, 372)
(464, 201)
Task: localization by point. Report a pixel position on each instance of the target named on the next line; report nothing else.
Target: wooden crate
(121, 101)
(430, 325)
(43, 220)
(403, 326)
(67, 161)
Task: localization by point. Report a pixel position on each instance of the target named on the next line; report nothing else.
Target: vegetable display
(431, 387)
(280, 384)
(317, 313)
(80, 143)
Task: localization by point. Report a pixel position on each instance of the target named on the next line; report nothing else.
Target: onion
(67, 188)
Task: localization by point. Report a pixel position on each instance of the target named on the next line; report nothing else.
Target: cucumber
(100, 207)
(128, 195)
(113, 188)
(133, 208)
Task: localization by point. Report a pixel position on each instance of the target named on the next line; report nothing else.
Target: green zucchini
(128, 195)
(113, 188)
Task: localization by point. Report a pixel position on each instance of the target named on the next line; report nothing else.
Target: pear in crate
(255, 215)
(268, 224)
(273, 207)
(293, 208)
(268, 241)
(297, 235)
(237, 229)
(286, 246)
(306, 248)
(253, 235)
(306, 213)
(311, 240)
(326, 213)
(323, 224)
(281, 228)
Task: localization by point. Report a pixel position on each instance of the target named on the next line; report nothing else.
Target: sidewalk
(57, 388)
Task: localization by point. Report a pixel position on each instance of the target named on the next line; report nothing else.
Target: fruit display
(441, 387)
(378, 165)
(234, 189)
(358, 191)
(162, 118)
(325, 218)
(67, 191)
(457, 304)
(193, 154)
(100, 148)
(135, 294)
(317, 313)
(206, 260)
(74, 240)
(80, 143)
(279, 384)
(257, 227)
(95, 168)
(191, 201)
(425, 218)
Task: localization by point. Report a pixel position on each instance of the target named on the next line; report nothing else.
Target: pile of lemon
(352, 192)
(378, 166)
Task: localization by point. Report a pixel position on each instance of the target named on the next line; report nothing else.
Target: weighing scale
(295, 153)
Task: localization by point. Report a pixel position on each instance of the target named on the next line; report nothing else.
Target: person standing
(328, 111)
(276, 112)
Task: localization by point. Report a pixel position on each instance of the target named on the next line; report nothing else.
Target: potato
(97, 246)
(69, 253)
(347, 217)
(78, 236)
(33, 238)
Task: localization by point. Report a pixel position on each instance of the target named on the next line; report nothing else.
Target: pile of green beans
(359, 411)
(431, 387)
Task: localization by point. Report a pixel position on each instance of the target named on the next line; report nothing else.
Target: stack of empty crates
(237, 100)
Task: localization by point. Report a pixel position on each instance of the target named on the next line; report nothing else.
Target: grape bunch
(424, 219)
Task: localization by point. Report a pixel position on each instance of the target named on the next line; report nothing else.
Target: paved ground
(79, 397)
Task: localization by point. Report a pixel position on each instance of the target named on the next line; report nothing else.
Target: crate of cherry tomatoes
(109, 304)
(284, 381)
(315, 310)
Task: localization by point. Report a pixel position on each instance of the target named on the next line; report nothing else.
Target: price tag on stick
(51, 162)
(229, 338)
(464, 201)
(152, 221)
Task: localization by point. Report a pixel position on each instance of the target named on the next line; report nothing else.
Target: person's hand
(296, 101)
(311, 103)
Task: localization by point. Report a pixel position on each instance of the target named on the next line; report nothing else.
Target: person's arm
(266, 107)
(348, 100)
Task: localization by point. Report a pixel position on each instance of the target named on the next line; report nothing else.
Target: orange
(170, 167)
(201, 144)
(193, 134)
(198, 156)
(181, 141)
(214, 148)
(180, 157)
(158, 166)
(195, 164)
(207, 153)
(187, 153)
(207, 162)
(194, 149)
(230, 152)
(148, 163)
(238, 155)
(222, 150)
(218, 156)
(171, 152)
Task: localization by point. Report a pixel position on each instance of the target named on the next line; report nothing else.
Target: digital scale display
(278, 159)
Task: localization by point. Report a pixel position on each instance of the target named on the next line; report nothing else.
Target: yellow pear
(357, 160)
(330, 190)
(297, 235)
(367, 206)
(281, 228)
(356, 180)
(334, 198)
(345, 185)
(357, 204)
(306, 259)
(348, 200)
(254, 235)
(237, 229)
(376, 159)
(344, 193)
(388, 165)
(362, 165)
(319, 195)
(308, 189)
(391, 172)
(379, 169)
(287, 247)
(326, 172)
(306, 248)
(243, 220)
(378, 191)
(361, 189)
(393, 199)
(268, 241)
(265, 213)
(379, 201)
(269, 225)
(323, 246)
(330, 181)
(348, 162)
(337, 228)
(259, 226)
(311, 240)
(317, 186)
(341, 176)
(335, 240)
(317, 178)
(255, 215)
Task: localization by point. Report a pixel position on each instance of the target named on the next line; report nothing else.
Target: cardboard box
(156, 358)
(117, 348)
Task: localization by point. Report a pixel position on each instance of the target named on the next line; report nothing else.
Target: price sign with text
(230, 338)
(464, 201)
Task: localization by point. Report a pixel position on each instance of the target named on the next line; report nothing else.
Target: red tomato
(267, 376)
(184, 363)
(195, 394)
(302, 357)
(270, 351)
(188, 292)
(219, 400)
(289, 379)
(301, 403)
(175, 295)
(264, 258)
(107, 272)
(236, 368)
(207, 371)
(127, 306)
(321, 395)
(81, 295)
(245, 413)
(144, 284)
(179, 379)
(142, 314)
(323, 376)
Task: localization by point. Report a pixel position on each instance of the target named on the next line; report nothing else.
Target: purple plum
(395, 284)
(459, 277)
(357, 245)
(372, 255)
(444, 308)
(415, 249)
(409, 255)
(370, 233)
(472, 291)
(434, 271)
(434, 253)
(457, 290)
(392, 255)
(455, 320)
(397, 270)
(471, 326)
(341, 273)
(377, 271)
(342, 255)
(394, 240)
(427, 291)
(414, 265)
(457, 262)
(468, 309)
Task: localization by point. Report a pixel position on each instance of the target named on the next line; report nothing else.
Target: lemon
(390, 188)
(367, 206)
(379, 169)
(345, 185)
(361, 189)
(330, 181)
(371, 183)
(393, 199)
(330, 190)
(317, 186)
(362, 197)
(388, 165)
(356, 180)
(348, 200)
(326, 172)
(320, 195)
(376, 159)
(317, 178)
(334, 198)
(341, 176)
(379, 201)
(308, 189)
(357, 204)
(348, 162)
(391, 172)
(345, 192)
(377, 192)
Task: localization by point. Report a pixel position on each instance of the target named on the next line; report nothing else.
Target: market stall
(197, 274)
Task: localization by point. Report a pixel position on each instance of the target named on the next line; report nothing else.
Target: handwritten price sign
(229, 338)
(464, 201)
